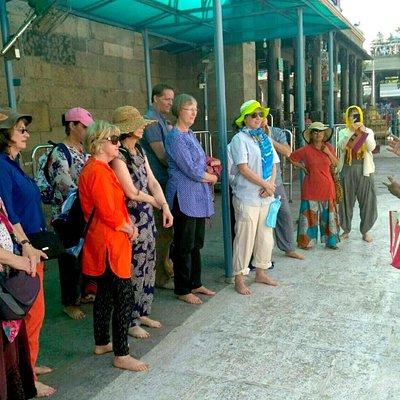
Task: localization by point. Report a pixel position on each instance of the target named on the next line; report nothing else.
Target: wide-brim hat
(249, 107)
(9, 117)
(128, 119)
(317, 126)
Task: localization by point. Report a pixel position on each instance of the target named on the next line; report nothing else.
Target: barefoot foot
(203, 290)
(100, 350)
(43, 370)
(151, 323)
(190, 298)
(367, 237)
(138, 332)
(294, 254)
(344, 236)
(129, 363)
(240, 286)
(262, 277)
(44, 390)
(74, 312)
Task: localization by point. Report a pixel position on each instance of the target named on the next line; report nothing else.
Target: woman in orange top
(107, 247)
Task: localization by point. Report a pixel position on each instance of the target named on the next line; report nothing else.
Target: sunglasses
(114, 139)
(315, 131)
(22, 130)
(255, 115)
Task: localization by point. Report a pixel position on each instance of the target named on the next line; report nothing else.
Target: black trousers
(70, 279)
(114, 296)
(188, 240)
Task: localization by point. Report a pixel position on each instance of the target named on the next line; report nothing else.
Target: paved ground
(329, 331)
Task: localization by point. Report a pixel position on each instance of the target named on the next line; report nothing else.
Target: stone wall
(100, 67)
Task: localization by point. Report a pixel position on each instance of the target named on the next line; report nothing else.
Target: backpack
(71, 225)
(43, 179)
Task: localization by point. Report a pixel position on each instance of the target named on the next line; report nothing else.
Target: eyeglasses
(114, 139)
(255, 115)
(191, 109)
(22, 130)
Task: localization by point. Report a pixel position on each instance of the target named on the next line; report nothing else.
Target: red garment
(99, 188)
(318, 185)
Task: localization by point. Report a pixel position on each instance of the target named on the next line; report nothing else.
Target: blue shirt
(186, 168)
(244, 149)
(21, 196)
(155, 133)
(279, 136)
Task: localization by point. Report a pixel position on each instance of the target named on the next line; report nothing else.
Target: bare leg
(240, 286)
(43, 370)
(262, 277)
(129, 363)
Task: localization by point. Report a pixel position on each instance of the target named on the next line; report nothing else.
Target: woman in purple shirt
(189, 196)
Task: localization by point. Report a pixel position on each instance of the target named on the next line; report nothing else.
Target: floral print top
(64, 177)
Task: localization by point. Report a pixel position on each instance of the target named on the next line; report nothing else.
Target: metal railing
(205, 139)
(36, 153)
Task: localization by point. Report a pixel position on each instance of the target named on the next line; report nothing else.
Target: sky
(373, 16)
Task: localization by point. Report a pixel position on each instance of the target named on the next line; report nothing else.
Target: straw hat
(128, 119)
(249, 107)
(317, 126)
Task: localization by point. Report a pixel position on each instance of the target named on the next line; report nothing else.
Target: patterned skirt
(317, 216)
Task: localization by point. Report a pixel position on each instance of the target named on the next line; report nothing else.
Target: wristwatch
(25, 241)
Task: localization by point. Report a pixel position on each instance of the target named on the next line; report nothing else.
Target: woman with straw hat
(143, 192)
(318, 206)
(253, 187)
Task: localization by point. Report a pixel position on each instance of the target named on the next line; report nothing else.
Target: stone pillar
(359, 73)
(274, 83)
(316, 80)
(286, 90)
(240, 66)
(377, 88)
(352, 80)
(344, 79)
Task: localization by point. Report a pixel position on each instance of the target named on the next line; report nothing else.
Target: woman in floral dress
(143, 192)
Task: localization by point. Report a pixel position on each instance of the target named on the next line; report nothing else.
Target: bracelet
(25, 241)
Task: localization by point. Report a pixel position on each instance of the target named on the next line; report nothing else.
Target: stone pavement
(329, 331)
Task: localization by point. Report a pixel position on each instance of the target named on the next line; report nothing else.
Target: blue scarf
(267, 155)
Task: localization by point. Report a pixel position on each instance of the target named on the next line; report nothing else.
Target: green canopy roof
(190, 22)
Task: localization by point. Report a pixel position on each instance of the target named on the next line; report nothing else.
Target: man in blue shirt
(153, 143)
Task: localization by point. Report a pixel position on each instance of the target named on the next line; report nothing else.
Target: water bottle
(272, 215)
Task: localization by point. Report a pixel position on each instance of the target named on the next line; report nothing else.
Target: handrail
(205, 139)
(33, 156)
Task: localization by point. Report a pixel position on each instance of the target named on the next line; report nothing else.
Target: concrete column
(316, 80)
(344, 79)
(286, 90)
(352, 80)
(274, 84)
(359, 73)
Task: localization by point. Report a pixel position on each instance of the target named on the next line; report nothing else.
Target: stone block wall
(100, 67)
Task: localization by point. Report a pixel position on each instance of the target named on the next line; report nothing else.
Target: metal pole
(147, 67)
(373, 94)
(300, 79)
(12, 101)
(331, 110)
(205, 97)
(221, 113)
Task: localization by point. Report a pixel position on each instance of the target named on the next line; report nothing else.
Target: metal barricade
(204, 137)
(36, 153)
(336, 129)
(290, 182)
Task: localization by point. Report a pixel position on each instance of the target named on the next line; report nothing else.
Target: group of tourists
(145, 188)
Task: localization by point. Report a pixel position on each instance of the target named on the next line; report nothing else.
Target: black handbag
(18, 291)
(48, 242)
